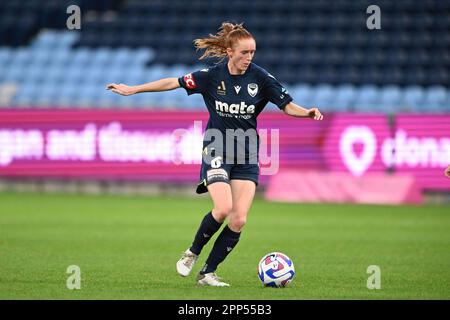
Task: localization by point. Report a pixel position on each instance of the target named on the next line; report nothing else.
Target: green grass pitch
(127, 247)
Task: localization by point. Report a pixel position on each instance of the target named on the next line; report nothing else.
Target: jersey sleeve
(195, 82)
(275, 92)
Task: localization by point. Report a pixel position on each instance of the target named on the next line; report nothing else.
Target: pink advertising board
(100, 144)
(166, 146)
(420, 146)
(408, 144)
(353, 141)
(137, 145)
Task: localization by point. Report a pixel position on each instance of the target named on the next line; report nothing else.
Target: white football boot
(210, 279)
(186, 263)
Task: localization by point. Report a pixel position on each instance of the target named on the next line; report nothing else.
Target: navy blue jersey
(235, 101)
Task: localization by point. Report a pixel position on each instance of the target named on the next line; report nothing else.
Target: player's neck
(233, 70)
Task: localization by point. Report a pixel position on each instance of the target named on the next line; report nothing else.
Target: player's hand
(447, 171)
(121, 88)
(315, 114)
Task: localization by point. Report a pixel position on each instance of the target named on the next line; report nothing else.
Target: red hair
(216, 45)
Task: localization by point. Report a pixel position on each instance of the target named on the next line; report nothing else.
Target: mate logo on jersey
(189, 81)
(234, 108)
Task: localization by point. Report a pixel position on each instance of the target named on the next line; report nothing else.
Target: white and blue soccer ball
(276, 269)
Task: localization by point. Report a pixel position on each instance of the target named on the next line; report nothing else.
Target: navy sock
(207, 228)
(225, 242)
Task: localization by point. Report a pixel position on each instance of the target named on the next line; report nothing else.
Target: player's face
(241, 55)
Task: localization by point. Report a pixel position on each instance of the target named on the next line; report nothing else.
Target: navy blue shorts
(226, 172)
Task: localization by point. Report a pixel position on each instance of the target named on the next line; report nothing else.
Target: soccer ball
(276, 270)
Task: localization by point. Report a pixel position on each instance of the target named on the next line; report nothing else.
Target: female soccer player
(235, 92)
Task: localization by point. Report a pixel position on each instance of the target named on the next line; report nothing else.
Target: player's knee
(221, 211)
(237, 223)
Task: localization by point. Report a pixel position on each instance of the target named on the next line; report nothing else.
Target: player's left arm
(447, 171)
(295, 110)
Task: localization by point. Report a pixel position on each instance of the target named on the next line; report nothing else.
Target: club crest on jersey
(189, 81)
(252, 89)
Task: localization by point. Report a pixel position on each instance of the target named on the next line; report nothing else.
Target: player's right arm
(165, 84)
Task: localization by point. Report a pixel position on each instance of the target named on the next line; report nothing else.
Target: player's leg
(243, 192)
(221, 196)
(220, 193)
(216, 181)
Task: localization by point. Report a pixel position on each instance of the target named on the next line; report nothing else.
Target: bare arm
(165, 84)
(295, 110)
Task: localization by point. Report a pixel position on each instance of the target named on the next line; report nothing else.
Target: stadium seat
(390, 99)
(345, 96)
(435, 99)
(324, 97)
(367, 99)
(302, 93)
(413, 99)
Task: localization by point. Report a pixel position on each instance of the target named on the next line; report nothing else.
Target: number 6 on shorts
(216, 162)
